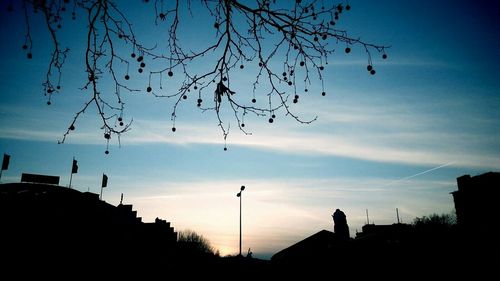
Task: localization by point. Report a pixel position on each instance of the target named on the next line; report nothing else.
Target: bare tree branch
(300, 34)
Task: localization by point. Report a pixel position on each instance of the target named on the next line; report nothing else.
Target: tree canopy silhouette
(192, 243)
(436, 220)
(287, 43)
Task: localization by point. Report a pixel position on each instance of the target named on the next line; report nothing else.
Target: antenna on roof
(367, 218)
(397, 214)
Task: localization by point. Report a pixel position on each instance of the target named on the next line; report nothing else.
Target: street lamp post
(239, 195)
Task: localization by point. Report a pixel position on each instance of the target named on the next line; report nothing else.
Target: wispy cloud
(42, 124)
(365, 130)
(411, 62)
(365, 133)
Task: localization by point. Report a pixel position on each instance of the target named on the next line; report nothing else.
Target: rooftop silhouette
(77, 228)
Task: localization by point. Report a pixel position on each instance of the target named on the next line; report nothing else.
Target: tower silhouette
(340, 226)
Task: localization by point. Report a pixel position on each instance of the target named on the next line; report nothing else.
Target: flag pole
(100, 197)
(5, 164)
(104, 183)
(71, 176)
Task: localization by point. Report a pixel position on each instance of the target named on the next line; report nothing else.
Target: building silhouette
(434, 249)
(388, 233)
(319, 247)
(316, 246)
(53, 227)
(476, 203)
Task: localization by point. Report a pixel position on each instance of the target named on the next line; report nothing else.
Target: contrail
(427, 171)
(421, 173)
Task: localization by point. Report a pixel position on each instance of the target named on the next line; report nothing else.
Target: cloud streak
(367, 131)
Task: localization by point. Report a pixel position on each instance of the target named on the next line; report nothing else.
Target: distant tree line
(436, 220)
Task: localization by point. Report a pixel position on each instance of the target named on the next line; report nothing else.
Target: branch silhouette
(299, 35)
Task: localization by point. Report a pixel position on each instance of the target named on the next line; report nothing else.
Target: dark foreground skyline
(54, 230)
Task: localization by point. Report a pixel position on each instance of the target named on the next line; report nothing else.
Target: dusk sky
(397, 139)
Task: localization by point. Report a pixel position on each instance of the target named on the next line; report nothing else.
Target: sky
(397, 139)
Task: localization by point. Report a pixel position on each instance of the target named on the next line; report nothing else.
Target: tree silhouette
(287, 42)
(191, 243)
(436, 221)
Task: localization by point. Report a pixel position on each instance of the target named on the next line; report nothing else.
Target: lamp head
(242, 187)
(239, 194)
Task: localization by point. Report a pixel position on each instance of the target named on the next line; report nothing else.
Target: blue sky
(376, 144)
